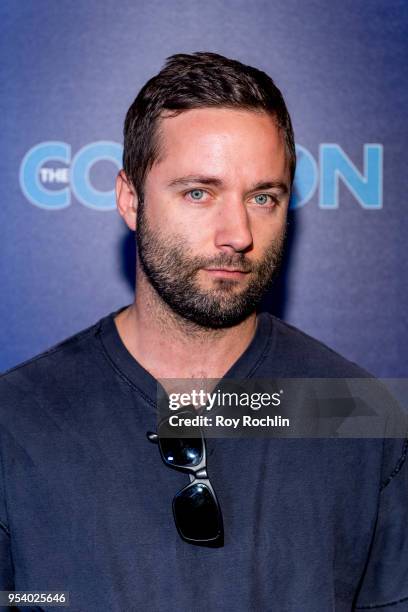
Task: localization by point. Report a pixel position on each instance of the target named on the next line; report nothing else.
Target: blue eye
(196, 194)
(264, 198)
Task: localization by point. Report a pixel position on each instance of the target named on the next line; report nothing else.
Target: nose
(233, 230)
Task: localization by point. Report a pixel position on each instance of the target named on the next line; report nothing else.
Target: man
(310, 525)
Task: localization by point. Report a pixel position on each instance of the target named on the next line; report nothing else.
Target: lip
(228, 273)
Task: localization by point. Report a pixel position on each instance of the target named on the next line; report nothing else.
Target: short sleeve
(385, 581)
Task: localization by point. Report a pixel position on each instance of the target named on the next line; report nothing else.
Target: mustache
(224, 261)
(240, 261)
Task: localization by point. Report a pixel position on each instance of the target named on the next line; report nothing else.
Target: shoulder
(60, 364)
(303, 355)
(306, 357)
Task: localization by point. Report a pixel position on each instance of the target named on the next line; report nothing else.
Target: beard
(171, 268)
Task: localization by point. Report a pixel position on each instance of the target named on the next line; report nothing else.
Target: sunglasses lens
(182, 451)
(196, 513)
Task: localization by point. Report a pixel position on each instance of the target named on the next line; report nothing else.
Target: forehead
(224, 141)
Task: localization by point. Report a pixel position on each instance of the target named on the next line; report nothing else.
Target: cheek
(268, 227)
(192, 226)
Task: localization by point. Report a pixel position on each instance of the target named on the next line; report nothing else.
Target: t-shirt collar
(122, 360)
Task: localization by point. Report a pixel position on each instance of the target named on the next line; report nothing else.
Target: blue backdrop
(70, 71)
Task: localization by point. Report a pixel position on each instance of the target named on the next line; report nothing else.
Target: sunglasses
(196, 510)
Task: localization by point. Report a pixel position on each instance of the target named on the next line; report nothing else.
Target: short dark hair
(197, 80)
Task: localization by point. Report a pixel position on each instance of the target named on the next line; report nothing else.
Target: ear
(126, 200)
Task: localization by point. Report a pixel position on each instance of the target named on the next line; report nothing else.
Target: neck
(169, 346)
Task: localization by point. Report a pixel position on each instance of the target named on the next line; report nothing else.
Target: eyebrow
(217, 182)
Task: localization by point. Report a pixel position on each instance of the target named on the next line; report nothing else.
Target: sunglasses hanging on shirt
(196, 510)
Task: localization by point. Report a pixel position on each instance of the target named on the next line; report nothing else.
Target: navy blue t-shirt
(311, 525)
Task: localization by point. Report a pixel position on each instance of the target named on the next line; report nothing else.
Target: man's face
(210, 233)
